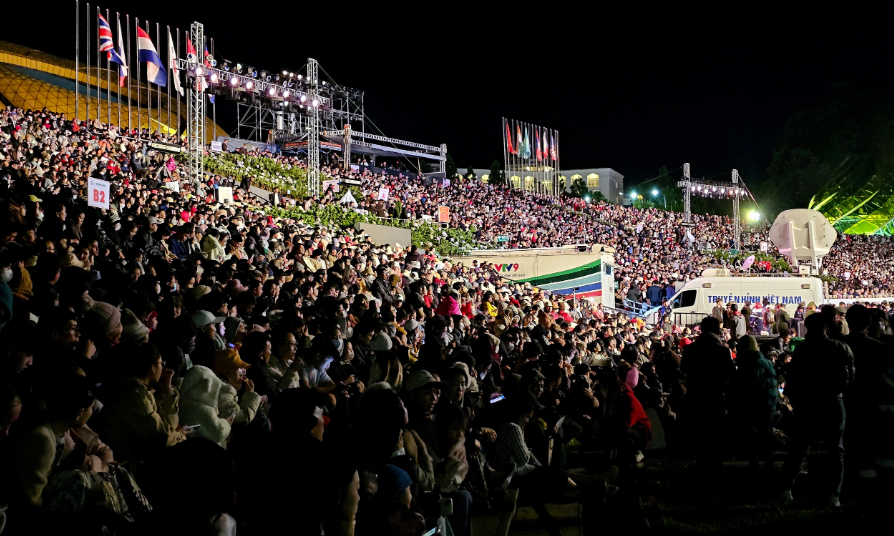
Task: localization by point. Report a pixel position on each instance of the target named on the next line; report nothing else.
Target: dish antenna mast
(804, 236)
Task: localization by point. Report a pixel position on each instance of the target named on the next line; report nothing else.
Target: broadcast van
(697, 297)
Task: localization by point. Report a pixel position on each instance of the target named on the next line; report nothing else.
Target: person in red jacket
(448, 305)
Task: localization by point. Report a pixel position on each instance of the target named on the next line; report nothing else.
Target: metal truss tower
(737, 222)
(686, 184)
(196, 111)
(313, 134)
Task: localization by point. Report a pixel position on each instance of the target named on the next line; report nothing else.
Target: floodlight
(633, 194)
(249, 84)
(285, 93)
(315, 103)
(303, 98)
(199, 70)
(587, 199)
(234, 81)
(272, 91)
(654, 191)
(213, 77)
(300, 77)
(754, 215)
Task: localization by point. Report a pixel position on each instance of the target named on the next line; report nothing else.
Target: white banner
(216, 147)
(173, 186)
(97, 193)
(383, 194)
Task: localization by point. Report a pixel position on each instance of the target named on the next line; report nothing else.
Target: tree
(496, 174)
(596, 197)
(470, 173)
(450, 167)
(579, 188)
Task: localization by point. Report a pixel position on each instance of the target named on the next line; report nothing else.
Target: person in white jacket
(231, 370)
(199, 397)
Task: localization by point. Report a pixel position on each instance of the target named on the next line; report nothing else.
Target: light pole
(633, 197)
(655, 194)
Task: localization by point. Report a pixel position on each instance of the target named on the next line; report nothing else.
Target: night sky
(632, 90)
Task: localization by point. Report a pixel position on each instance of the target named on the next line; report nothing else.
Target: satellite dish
(803, 235)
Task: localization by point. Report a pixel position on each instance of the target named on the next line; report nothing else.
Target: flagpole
(118, 23)
(98, 66)
(178, 94)
(88, 67)
(148, 91)
(139, 77)
(129, 64)
(77, 57)
(157, 90)
(504, 127)
(214, 104)
(108, 86)
(170, 63)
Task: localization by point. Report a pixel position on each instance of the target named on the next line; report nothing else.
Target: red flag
(537, 152)
(509, 139)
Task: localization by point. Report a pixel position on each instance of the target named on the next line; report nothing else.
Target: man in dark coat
(870, 363)
(709, 369)
(816, 380)
(381, 288)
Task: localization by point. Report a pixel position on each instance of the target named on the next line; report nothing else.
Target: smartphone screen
(497, 399)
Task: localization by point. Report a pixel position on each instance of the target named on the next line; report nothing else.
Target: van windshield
(684, 299)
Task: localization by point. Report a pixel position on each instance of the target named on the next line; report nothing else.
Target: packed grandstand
(177, 364)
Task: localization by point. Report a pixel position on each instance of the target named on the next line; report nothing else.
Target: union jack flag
(107, 42)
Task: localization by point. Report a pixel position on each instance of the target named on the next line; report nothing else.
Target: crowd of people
(174, 364)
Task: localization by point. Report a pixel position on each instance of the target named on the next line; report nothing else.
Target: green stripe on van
(564, 275)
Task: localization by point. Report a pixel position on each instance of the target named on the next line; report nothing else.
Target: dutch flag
(155, 71)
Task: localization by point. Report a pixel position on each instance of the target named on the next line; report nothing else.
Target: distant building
(606, 181)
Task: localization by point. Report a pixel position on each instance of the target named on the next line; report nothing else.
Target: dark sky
(632, 90)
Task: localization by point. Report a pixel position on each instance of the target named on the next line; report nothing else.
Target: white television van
(697, 298)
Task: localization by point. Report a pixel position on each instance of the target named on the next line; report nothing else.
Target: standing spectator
(816, 380)
(709, 369)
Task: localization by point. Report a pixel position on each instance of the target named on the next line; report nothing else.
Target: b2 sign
(97, 193)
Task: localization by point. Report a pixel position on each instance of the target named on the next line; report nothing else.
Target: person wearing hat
(421, 394)
(133, 331)
(230, 368)
(102, 323)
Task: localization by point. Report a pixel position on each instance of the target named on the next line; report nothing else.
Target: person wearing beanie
(102, 323)
(230, 368)
(133, 331)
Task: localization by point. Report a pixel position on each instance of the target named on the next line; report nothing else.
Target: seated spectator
(141, 415)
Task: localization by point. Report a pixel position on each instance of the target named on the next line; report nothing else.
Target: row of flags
(522, 147)
(155, 68)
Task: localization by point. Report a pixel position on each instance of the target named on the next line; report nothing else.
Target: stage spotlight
(213, 77)
(303, 98)
(300, 77)
(291, 75)
(285, 93)
(285, 73)
(227, 65)
(239, 68)
(191, 58)
(276, 78)
(272, 91)
(249, 85)
(315, 103)
(199, 70)
(234, 81)
(251, 72)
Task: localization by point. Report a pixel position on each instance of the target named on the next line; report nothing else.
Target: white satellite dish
(803, 235)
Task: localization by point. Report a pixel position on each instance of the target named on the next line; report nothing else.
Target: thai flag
(107, 43)
(155, 70)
